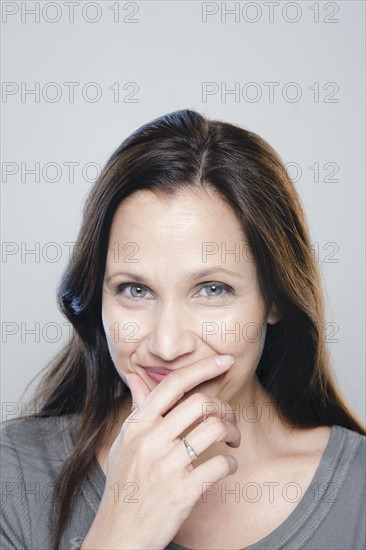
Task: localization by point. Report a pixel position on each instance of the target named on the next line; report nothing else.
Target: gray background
(168, 50)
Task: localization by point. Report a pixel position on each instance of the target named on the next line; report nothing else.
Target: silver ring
(190, 451)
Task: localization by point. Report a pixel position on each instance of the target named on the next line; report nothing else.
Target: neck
(263, 433)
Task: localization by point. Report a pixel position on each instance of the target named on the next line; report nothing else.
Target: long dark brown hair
(183, 150)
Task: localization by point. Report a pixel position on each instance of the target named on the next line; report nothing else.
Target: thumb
(139, 390)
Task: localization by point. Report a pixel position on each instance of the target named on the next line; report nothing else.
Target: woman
(195, 406)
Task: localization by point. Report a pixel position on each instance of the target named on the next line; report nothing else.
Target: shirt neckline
(303, 520)
(302, 515)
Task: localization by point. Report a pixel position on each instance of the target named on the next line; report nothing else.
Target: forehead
(188, 231)
(186, 213)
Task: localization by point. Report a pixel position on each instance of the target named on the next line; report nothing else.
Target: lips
(158, 370)
(157, 373)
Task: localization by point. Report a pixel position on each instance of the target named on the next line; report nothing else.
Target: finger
(205, 435)
(139, 390)
(196, 409)
(173, 387)
(205, 476)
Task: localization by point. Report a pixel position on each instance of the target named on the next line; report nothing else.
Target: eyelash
(228, 289)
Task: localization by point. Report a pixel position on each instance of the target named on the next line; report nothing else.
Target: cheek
(240, 326)
(120, 330)
(235, 337)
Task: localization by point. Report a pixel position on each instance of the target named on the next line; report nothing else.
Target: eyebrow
(191, 277)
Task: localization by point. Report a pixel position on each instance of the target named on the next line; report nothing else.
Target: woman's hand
(148, 464)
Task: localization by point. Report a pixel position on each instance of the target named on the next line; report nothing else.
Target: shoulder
(27, 427)
(29, 441)
(341, 492)
(349, 458)
(352, 441)
(32, 451)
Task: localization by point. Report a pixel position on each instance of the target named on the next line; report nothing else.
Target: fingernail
(224, 360)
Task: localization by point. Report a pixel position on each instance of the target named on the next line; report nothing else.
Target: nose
(171, 335)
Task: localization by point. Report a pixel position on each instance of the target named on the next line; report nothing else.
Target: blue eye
(136, 291)
(217, 290)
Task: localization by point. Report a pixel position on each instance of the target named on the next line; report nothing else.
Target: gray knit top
(331, 515)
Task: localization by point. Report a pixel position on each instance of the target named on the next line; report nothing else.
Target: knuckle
(173, 383)
(199, 397)
(214, 425)
(223, 463)
(203, 398)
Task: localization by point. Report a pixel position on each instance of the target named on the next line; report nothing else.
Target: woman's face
(180, 286)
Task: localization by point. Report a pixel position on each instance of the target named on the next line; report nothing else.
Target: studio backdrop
(79, 77)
